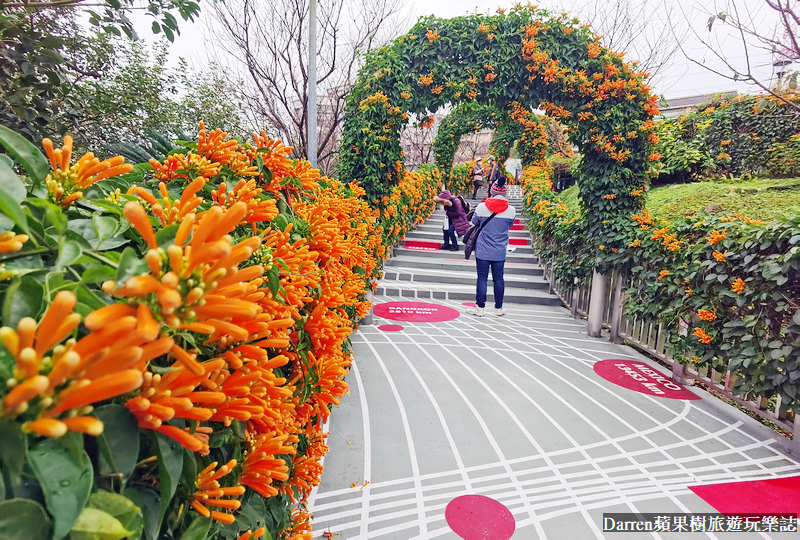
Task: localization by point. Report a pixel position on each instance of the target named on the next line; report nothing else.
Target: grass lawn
(757, 199)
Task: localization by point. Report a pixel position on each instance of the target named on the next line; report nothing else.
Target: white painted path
(510, 407)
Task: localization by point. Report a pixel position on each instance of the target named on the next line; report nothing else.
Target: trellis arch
(525, 56)
(509, 126)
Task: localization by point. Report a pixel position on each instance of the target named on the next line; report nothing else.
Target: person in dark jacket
(491, 246)
(457, 217)
(477, 178)
(493, 174)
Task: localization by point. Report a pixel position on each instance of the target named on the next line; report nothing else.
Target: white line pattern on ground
(547, 485)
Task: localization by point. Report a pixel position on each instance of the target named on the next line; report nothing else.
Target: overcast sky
(679, 79)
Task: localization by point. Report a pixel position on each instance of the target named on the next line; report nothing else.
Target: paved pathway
(512, 408)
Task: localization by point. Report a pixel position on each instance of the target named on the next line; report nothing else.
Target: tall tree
(45, 53)
(266, 45)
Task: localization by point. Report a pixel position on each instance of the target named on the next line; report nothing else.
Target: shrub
(176, 333)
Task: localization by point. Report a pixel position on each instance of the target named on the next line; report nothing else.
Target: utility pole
(312, 83)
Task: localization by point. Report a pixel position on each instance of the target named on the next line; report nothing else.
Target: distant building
(672, 107)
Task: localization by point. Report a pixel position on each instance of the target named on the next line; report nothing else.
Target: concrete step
(462, 276)
(434, 229)
(511, 257)
(455, 263)
(464, 293)
(431, 241)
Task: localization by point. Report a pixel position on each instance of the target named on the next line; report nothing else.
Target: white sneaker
(499, 311)
(477, 311)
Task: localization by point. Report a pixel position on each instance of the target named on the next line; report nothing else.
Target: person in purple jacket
(491, 246)
(457, 217)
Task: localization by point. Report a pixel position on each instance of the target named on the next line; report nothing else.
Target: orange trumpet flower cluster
(56, 383)
(260, 465)
(197, 287)
(245, 191)
(168, 211)
(66, 183)
(210, 493)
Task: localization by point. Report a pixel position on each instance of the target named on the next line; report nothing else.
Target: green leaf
(23, 298)
(104, 227)
(25, 153)
(130, 264)
(147, 500)
(119, 442)
(70, 252)
(11, 209)
(198, 530)
(94, 524)
(166, 237)
(64, 471)
(24, 519)
(170, 465)
(11, 183)
(98, 274)
(121, 508)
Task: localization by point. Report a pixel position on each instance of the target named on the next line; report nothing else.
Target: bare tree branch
(753, 31)
(266, 44)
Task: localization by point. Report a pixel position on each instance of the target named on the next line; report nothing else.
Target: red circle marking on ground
(390, 328)
(468, 304)
(640, 377)
(415, 312)
(475, 517)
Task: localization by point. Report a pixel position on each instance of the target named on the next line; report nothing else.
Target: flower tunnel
(512, 62)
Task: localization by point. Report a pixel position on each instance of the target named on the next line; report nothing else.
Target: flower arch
(514, 124)
(525, 56)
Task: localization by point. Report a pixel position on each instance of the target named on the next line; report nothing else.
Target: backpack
(464, 204)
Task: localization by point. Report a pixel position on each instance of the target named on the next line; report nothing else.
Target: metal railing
(652, 338)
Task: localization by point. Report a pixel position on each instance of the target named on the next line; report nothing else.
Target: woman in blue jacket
(491, 246)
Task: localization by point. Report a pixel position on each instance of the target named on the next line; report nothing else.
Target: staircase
(418, 269)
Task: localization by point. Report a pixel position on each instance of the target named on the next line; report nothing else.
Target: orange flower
(11, 242)
(688, 292)
(426, 80)
(738, 285)
(716, 237)
(436, 90)
(210, 493)
(490, 77)
(405, 95)
(66, 183)
(251, 535)
(635, 243)
(720, 257)
(432, 36)
(198, 282)
(594, 49)
(300, 526)
(483, 28)
(261, 467)
(611, 196)
(663, 274)
(702, 336)
(706, 315)
(186, 166)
